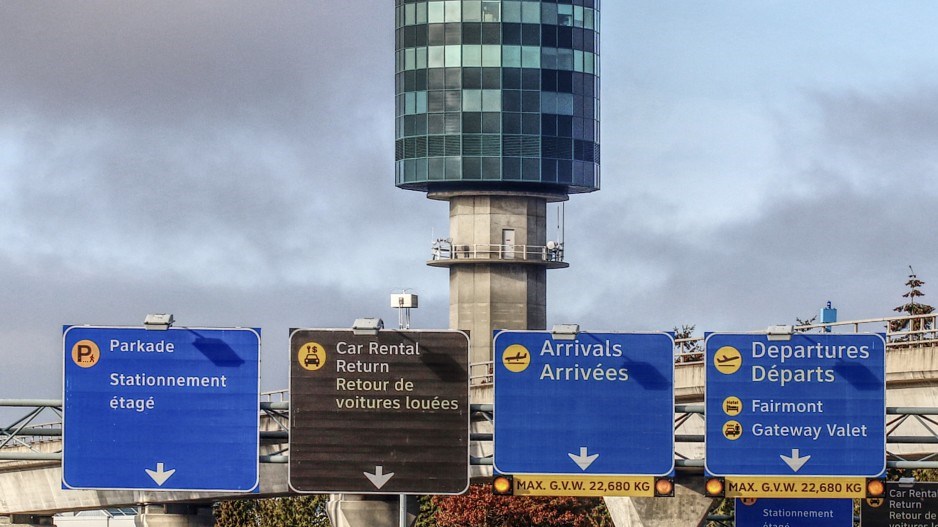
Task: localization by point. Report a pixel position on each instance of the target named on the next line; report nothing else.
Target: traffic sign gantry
(808, 405)
(379, 414)
(599, 403)
(160, 410)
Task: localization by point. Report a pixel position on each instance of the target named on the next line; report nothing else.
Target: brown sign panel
(904, 505)
(382, 414)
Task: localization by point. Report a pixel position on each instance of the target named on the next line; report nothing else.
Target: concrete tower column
(498, 264)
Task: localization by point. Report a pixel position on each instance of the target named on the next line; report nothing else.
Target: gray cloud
(850, 213)
(236, 133)
(231, 162)
(175, 62)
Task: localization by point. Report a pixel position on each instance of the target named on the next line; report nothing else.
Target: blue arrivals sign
(804, 512)
(160, 410)
(602, 403)
(811, 405)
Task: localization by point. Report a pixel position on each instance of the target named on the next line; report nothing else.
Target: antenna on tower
(562, 219)
(403, 302)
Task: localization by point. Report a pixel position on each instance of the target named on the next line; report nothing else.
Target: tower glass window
(497, 94)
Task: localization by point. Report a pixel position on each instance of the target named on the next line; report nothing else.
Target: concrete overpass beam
(688, 507)
(175, 516)
(357, 510)
(26, 520)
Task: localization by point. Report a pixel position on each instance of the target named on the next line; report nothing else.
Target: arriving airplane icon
(519, 357)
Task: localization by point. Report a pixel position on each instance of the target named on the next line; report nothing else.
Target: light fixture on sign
(715, 488)
(779, 332)
(565, 331)
(158, 321)
(503, 486)
(367, 326)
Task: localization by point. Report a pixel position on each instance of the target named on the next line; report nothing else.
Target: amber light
(664, 487)
(875, 488)
(502, 486)
(715, 488)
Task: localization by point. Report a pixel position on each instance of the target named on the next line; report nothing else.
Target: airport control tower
(498, 114)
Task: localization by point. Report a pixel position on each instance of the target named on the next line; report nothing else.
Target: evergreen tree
(912, 307)
(426, 516)
(236, 513)
(308, 511)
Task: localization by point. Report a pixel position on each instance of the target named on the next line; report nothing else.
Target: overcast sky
(231, 162)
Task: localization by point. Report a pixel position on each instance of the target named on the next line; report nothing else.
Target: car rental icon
(311, 358)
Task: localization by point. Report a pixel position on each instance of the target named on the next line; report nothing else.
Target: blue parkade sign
(812, 405)
(798, 512)
(160, 410)
(602, 403)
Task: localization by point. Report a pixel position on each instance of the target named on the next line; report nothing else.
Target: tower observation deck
(497, 113)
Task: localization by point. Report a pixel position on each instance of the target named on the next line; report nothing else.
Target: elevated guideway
(911, 389)
(30, 454)
(31, 474)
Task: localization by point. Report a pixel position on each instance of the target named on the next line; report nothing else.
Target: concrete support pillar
(26, 520)
(688, 507)
(489, 297)
(356, 510)
(175, 516)
(498, 272)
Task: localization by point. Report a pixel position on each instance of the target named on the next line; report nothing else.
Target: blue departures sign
(600, 404)
(813, 405)
(813, 512)
(160, 410)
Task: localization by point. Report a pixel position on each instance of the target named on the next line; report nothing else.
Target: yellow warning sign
(516, 358)
(550, 485)
(732, 430)
(727, 360)
(312, 356)
(86, 353)
(732, 406)
(795, 487)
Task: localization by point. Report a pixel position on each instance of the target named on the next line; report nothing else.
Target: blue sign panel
(813, 405)
(814, 512)
(160, 410)
(602, 403)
